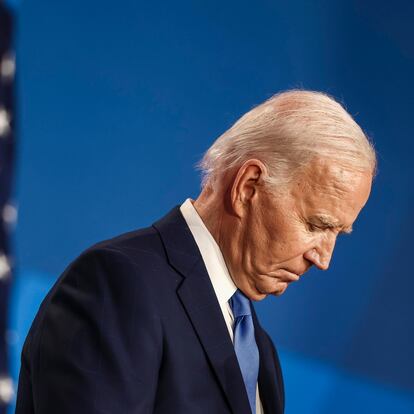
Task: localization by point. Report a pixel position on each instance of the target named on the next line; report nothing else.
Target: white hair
(285, 133)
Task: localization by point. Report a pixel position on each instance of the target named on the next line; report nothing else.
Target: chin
(279, 292)
(269, 286)
(280, 289)
(253, 292)
(258, 296)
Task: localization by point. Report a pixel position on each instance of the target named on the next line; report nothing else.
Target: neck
(210, 207)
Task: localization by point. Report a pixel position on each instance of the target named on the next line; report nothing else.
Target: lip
(301, 272)
(286, 276)
(293, 277)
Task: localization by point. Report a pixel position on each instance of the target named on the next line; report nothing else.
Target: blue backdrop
(118, 101)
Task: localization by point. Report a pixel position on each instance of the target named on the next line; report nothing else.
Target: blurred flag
(7, 209)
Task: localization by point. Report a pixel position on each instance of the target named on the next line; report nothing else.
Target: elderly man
(159, 320)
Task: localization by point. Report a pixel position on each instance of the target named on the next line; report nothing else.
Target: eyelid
(321, 223)
(313, 226)
(324, 227)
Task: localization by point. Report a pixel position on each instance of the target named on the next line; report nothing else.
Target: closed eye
(315, 227)
(322, 223)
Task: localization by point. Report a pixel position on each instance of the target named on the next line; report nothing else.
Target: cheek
(255, 246)
(268, 244)
(274, 254)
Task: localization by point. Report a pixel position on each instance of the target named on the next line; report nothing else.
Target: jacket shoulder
(131, 245)
(120, 271)
(104, 304)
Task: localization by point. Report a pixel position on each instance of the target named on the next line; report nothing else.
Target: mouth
(285, 275)
(293, 277)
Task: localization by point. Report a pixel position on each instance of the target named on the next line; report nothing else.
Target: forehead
(328, 188)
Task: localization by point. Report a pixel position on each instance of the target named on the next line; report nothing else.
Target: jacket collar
(270, 375)
(200, 302)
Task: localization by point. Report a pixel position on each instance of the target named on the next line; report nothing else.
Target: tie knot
(239, 304)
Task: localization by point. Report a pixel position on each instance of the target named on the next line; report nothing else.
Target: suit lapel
(200, 302)
(270, 381)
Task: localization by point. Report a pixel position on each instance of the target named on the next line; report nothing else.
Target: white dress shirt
(221, 280)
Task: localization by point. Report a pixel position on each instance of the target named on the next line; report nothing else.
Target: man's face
(285, 234)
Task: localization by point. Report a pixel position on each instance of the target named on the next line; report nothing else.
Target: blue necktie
(245, 344)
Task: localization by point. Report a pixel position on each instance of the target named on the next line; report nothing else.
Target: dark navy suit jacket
(134, 326)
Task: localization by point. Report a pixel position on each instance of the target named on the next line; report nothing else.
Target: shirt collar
(221, 280)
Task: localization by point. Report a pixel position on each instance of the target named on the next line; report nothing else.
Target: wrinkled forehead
(326, 186)
(321, 173)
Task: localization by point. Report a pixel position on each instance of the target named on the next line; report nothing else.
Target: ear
(248, 180)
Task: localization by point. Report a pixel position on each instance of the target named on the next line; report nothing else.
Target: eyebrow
(328, 222)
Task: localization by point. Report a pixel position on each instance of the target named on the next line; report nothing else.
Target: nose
(321, 253)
